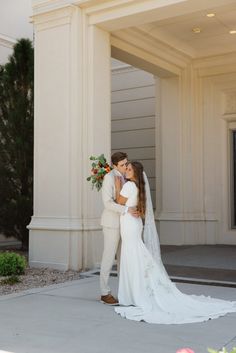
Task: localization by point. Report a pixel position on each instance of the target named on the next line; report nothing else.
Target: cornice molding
(52, 4)
(229, 117)
(90, 6)
(145, 60)
(123, 69)
(6, 41)
(61, 15)
(217, 70)
(161, 48)
(136, 42)
(215, 60)
(181, 48)
(43, 7)
(215, 65)
(113, 15)
(229, 105)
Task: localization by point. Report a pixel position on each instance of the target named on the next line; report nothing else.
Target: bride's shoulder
(131, 184)
(128, 189)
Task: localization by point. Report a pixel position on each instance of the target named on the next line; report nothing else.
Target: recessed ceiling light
(196, 30)
(210, 15)
(233, 31)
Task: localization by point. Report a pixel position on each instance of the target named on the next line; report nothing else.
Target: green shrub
(11, 264)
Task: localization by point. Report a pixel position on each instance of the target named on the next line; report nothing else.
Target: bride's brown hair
(140, 183)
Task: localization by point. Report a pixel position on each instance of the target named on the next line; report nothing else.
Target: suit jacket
(112, 210)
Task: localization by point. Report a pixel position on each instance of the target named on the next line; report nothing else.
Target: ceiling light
(233, 31)
(196, 30)
(210, 15)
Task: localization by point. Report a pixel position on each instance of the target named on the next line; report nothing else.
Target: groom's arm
(107, 196)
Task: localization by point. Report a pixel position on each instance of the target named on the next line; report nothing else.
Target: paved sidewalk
(68, 318)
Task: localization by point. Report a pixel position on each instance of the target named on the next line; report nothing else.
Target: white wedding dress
(145, 291)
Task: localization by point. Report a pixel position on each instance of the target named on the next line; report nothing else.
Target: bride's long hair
(140, 183)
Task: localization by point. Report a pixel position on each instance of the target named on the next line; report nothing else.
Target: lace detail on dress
(145, 286)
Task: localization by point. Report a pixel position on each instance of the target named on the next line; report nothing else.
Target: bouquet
(100, 168)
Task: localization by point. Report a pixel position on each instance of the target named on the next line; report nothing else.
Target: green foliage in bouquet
(100, 168)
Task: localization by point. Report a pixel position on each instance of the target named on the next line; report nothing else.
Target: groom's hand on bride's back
(134, 212)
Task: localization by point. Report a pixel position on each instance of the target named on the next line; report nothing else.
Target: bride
(145, 291)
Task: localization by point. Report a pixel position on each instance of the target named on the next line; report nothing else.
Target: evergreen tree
(16, 142)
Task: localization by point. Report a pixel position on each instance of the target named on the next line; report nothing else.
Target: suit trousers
(111, 249)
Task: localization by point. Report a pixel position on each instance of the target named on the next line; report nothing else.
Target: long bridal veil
(171, 305)
(150, 236)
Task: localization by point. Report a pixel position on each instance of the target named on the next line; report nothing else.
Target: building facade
(189, 49)
(132, 97)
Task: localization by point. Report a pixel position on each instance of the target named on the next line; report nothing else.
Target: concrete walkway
(68, 318)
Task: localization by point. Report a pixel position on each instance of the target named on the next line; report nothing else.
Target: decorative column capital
(49, 13)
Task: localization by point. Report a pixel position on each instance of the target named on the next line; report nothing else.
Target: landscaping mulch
(36, 277)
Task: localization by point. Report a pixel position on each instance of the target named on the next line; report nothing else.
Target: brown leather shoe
(109, 300)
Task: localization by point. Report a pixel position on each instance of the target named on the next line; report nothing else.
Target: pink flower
(184, 350)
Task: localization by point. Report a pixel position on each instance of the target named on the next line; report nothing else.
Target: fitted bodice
(130, 191)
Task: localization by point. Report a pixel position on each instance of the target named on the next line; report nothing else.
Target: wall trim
(154, 51)
(55, 265)
(123, 69)
(64, 224)
(183, 217)
(6, 41)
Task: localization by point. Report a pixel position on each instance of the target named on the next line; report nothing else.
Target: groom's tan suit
(111, 228)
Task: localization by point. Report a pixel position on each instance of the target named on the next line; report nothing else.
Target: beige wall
(133, 109)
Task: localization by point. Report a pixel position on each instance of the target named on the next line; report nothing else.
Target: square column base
(65, 249)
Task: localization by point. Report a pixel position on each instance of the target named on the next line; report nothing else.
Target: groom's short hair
(117, 157)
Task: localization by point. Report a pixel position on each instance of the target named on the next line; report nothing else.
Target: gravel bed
(36, 278)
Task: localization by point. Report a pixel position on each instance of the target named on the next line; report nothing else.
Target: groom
(111, 223)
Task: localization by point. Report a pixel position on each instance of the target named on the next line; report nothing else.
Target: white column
(180, 197)
(169, 161)
(72, 121)
(96, 134)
